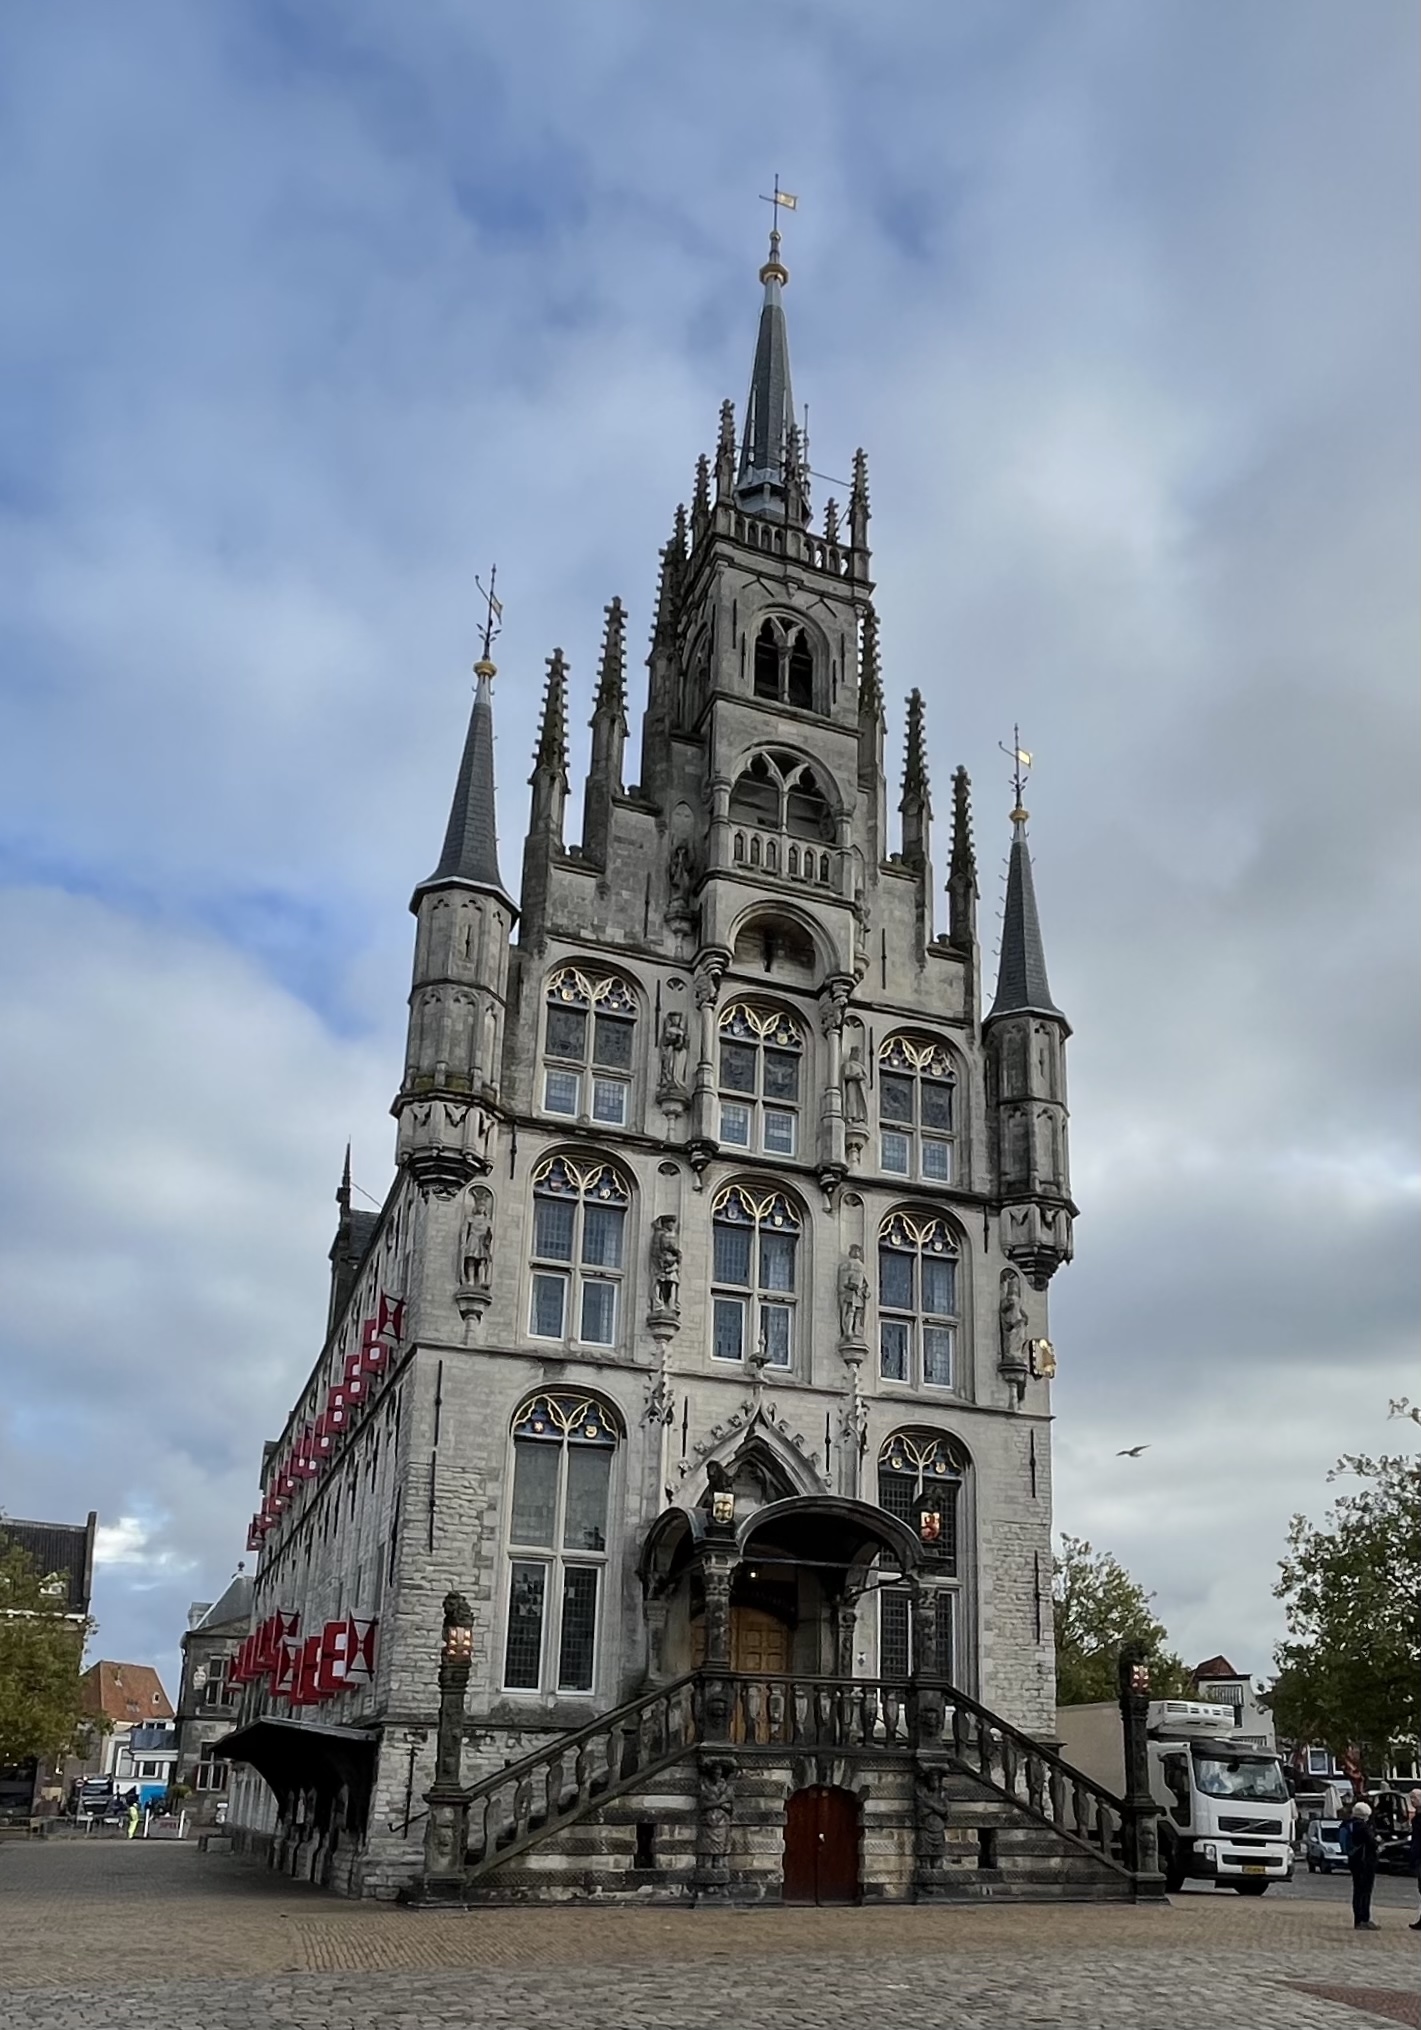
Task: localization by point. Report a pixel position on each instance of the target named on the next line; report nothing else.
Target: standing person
(1362, 1860)
(1413, 1845)
(133, 1816)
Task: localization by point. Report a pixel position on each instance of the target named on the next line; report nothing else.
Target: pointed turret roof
(470, 851)
(1021, 970)
(769, 411)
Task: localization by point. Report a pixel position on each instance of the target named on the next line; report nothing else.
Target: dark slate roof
(1021, 972)
(362, 1232)
(769, 413)
(235, 1605)
(60, 1550)
(471, 842)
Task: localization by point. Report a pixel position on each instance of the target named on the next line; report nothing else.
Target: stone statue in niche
(675, 1042)
(666, 1264)
(930, 1820)
(476, 1243)
(681, 875)
(853, 1294)
(855, 1078)
(717, 1808)
(1011, 1327)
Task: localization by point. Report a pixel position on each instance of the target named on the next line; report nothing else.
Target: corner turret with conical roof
(1025, 1035)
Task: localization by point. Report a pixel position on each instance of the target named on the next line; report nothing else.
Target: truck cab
(1226, 1815)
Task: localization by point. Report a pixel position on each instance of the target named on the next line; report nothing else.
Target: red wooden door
(822, 1846)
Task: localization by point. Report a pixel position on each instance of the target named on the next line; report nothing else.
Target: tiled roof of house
(62, 1551)
(125, 1693)
(1217, 1667)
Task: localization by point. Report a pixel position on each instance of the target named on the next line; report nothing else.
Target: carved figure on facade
(1011, 1328)
(675, 1044)
(681, 878)
(931, 1807)
(476, 1240)
(716, 1798)
(855, 1083)
(853, 1295)
(666, 1265)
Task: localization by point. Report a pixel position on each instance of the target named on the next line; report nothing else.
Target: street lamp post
(1139, 1830)
(446, 1829)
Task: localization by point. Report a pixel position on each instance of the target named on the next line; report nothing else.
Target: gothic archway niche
(782, 817)
(773, 943)
(785, 668)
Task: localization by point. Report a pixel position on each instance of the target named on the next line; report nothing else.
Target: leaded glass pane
(524, 1653)
(777, 1260)
(893, 1349)
(729, 1339)
(943, 1628)
(895, 1279)
(589, 1475)
(552, 1229)
(781, 1075)
(602, 1230)
(567, 1032)
(609, 1101)
(775, 1332)
(897, 1152)
(937, 1161)
(535, 1490)
(939, 1286)
(732, 1254)
(579, 1628)
(737, 1067)
(779, 1132)
(937, 1355)
(898, 1493)
(599, 1312)
(549, 1306)
(735, 1125)
(895, 1098)
(612, 1042)
(936, 1103)
(562, 1092)
(894, 1658)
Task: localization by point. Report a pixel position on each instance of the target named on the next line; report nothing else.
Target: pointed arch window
(755, 1275)
(917, 1300)
(564, 1447)
(781, 819)
(784, 665)
(916, 1108)
(589, 1047)
(579, 1251)
(920, 1481)
(761, 1072)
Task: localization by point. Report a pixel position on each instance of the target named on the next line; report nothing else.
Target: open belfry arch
(698, 1358)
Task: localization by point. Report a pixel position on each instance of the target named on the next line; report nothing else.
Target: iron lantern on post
(446, 1829)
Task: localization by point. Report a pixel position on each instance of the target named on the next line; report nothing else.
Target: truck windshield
(1254, 1778)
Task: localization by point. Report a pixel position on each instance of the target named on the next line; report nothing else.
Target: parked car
(1323, 1846)
(1394, 1857)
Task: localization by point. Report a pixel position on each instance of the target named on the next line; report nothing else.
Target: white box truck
(1225, 1812)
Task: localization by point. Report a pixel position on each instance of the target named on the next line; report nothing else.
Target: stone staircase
(958, 1805)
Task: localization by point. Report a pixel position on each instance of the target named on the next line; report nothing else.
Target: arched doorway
(822, 1835)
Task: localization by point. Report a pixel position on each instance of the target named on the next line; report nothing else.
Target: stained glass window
(563, 1450)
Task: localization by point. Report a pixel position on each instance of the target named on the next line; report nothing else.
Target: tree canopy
(41, 1649)
(1096, 1606)
(1349, 1667)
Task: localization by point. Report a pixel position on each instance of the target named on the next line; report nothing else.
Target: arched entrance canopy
(827, 1530)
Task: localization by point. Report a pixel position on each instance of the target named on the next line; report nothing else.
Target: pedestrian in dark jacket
(1362, 1860)
(1413, 1844)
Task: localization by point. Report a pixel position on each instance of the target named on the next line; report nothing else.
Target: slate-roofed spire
(769, 412)
(470, 854)
(1021, 970)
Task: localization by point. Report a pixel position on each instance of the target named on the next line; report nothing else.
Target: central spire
(769, 449)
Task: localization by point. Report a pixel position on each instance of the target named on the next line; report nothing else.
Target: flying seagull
(1132, 1452)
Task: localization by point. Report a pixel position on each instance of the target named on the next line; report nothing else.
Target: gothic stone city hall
(700, 1345)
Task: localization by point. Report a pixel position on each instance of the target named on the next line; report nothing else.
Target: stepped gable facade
(701, 1342)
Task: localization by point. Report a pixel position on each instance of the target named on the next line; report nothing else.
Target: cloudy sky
(314, 307)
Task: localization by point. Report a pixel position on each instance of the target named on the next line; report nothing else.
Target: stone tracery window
(917, 1300)
(781, 820)
(579, 1250)
(920, 1481)
(761, 1068)
(916, 1106)
(589, 1047)
(754, 1274)
(564, 1445)
(784, 665)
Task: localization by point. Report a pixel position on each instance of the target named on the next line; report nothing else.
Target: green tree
(1096, 1606)
(1349, 1667)
(41, 1649)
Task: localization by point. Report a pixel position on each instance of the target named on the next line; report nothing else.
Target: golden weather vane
(493, 615)
(1020, 761)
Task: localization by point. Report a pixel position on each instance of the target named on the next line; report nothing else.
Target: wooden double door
(822, 1846)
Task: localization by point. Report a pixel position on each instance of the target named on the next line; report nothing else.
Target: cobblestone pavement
(161, 1938)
